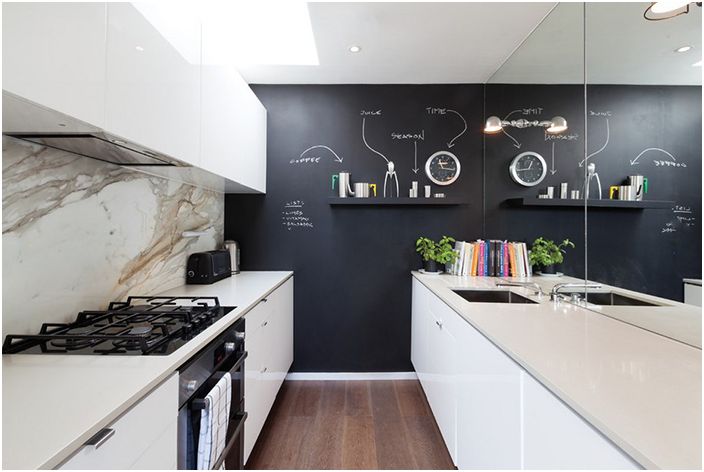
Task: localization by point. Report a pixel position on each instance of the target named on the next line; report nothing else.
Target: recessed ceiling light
(683, 49)
(139, 48)
(355, 49)
(697, 64)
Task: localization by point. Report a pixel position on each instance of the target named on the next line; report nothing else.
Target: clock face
(528, 169)
(442, 168)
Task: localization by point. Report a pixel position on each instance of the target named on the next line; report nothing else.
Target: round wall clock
(442, 168)
(528, 169)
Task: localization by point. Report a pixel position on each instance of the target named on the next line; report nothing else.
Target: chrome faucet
(555, 292)
(538, 288)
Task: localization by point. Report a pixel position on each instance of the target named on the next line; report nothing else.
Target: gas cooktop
(138, 326)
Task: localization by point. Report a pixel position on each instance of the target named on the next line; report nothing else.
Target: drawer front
(134, 432)
(162, 453)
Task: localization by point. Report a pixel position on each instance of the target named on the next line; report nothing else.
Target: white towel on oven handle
(213, 423)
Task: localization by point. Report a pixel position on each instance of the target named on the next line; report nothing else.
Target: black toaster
(208, 267)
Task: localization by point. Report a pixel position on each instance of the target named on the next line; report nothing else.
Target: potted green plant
(436, 254)
(546, 254)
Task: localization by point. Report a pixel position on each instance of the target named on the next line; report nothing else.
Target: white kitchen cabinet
(142, 438)
(269, 344)
(502, 417)
(153, 89)
(233, 128)
(53, 54)
(488, 404)
(555, 437)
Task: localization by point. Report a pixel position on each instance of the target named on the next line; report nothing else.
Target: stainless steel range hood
(32, 122)
(97, 146)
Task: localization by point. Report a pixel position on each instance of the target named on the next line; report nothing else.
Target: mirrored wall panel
(643, 162)
(534, 145)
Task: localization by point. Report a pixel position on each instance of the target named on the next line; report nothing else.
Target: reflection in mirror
(644, 142)
(534, 140)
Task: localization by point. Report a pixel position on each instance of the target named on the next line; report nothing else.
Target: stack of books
(493, 258)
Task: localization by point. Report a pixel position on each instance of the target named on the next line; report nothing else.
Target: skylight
(237, 33)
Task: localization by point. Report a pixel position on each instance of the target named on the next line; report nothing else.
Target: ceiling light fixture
(667, 9)
(683, 48)
(139, 48)
(355, 49)
(494, 124)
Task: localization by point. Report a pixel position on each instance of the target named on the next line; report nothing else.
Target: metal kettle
(233, 247)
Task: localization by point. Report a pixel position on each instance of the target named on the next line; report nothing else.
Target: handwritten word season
(417, 136)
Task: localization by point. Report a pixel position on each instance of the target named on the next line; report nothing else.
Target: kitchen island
(639, 389)
(52, 404)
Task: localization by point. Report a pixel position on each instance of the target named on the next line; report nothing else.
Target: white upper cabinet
(153, 89)
(53, 54)
(233, 128)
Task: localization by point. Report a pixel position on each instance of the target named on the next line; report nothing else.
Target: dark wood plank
(350, 425)
(384, 401)
(322, 448)
(426, 443)
(392, 447)
(357, 398)
(279, 443)
(358, 443)
(332, 400)
(307, 401)
(411, 399)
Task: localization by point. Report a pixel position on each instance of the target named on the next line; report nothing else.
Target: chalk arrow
(337, 158)
(581, 164)
(635, 161)
(415, 157)
(553, 170)
(452, 141)
(514, 111)
(364, 139)
(516, 144)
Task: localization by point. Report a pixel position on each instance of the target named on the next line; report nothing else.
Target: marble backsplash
(78, 233)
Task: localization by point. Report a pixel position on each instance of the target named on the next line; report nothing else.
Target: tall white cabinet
(492, 414)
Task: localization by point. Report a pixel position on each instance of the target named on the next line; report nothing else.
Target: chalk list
(293, 216)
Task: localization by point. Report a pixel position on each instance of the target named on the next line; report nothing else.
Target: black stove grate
(140, 325)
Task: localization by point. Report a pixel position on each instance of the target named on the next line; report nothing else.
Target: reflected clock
(442, 168)
(528, 169)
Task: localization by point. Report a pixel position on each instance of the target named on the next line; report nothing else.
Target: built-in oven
(226, 354)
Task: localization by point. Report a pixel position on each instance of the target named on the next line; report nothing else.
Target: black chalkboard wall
(352, 263)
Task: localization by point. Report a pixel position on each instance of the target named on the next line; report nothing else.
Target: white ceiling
(621, 48)
(411, 43)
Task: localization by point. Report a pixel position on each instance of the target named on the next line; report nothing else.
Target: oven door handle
(231, 441)
(199, 403)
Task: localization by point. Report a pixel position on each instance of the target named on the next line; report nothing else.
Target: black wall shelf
(617, 204)
(405, 201)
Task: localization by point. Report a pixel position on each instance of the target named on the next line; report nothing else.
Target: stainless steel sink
(609, 299)
(492, 296)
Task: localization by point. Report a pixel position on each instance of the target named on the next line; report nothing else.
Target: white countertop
(693, 281)
(52, 404)
(642, 390)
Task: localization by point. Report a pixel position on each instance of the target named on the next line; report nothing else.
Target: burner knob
(191, 386)
(239, 335)
(229, 347)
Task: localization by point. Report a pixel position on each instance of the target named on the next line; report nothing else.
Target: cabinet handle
(101, 438)
(439, 324)
(265, 323)
(264, 300)
(263, 370)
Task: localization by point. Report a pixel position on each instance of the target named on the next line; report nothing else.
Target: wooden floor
(350, 425)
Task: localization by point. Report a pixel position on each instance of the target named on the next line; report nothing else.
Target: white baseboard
(351, 376)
